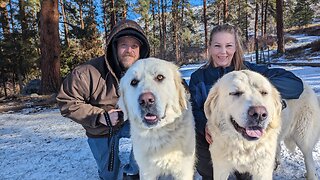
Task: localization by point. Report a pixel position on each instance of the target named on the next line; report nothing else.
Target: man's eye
(134, 82)
(135, 46)
(236, 93)
(160, 77)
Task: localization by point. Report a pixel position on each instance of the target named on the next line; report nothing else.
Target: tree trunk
(164, 27)
(24, 28)
(256, 32)
(4, 20)
(160, 29)
(175, 27)
(280, 33)
(262, 18)
(153, 4)
(124, 12)
(205, 27)
(81, 15)
(65, 24)
(247, 21)
(225, 11)
(265, 18)
(50, 47)
(113, 14)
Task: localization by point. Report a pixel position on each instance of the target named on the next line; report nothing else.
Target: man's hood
(124, 28)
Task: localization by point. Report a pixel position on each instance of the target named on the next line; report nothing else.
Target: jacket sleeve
(73, 100)
(197, 106)
(288, 84)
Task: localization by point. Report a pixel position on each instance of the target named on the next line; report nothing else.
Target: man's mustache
(129, 54)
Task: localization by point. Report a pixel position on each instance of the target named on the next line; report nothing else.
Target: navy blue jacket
(289, 86)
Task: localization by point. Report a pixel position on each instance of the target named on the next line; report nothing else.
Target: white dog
(301, 127)
(243, 111)
(153, 98)
(243, 116)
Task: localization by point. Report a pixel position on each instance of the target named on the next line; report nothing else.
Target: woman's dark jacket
(289, 86)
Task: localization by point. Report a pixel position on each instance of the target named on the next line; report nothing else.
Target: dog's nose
(146, 99)
(257, 113)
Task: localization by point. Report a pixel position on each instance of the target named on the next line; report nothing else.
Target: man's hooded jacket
(91, 89)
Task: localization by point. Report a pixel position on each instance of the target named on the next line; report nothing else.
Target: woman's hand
(208, 135)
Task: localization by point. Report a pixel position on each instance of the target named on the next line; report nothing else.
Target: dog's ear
(211, 101)
(182, 91)
(122, 105)
(275, 123)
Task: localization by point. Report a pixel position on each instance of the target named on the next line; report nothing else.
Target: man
(89, 96)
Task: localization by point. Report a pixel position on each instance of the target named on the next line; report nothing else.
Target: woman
(226, 55)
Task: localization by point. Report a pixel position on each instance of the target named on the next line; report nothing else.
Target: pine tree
(303, 13)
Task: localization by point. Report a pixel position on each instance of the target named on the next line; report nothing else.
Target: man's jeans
(101, 149)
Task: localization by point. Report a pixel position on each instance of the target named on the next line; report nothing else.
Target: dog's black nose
(257, 113)
(146, 99)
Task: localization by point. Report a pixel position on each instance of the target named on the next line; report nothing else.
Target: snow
(41, 144)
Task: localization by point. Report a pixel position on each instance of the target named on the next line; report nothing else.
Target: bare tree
(175, 27)
(65, 23)
(205, 27)
(50, 47)
(256, 32)
(113, 14)
(225, 11)
(280, 33)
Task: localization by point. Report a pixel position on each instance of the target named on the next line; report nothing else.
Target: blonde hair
(237, 59)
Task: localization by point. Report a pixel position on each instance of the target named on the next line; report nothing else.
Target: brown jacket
(91, 89)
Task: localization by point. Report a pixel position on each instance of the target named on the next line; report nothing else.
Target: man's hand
(208, 135)
(115, 116)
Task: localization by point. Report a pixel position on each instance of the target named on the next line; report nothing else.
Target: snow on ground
(41, 144)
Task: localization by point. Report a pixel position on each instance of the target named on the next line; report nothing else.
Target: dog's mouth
(250, 133)
(151, 119)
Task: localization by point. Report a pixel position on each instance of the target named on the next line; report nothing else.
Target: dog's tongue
(150, 117)
(254, 132)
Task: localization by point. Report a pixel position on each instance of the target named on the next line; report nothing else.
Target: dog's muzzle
(256, 116)
(147, 104)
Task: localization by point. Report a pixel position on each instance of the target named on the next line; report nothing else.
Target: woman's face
(222, 49)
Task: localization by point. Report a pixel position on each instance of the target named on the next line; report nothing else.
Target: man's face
(128, 50)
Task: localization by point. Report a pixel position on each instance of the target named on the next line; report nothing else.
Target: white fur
(167, 148)
(230, 150)
(299, 126)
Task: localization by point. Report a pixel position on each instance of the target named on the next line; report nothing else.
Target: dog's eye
(160, 78)
(134, 82)
(263, 93)
(237, 93)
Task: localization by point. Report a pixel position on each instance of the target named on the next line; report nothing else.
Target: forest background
(46, 39)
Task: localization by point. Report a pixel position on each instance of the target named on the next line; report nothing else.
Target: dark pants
(204, 164)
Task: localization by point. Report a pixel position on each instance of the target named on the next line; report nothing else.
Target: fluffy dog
(243, 117)
(243, 111)
(155, 101)
(301, 127)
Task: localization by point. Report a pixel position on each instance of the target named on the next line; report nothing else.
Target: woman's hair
(237, 59)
